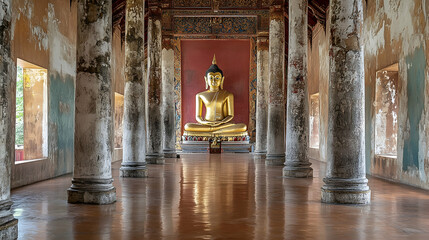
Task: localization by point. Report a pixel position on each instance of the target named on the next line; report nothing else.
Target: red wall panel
(233, 57)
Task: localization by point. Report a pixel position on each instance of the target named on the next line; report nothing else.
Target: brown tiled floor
(228, 196)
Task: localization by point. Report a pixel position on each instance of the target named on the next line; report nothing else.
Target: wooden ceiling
(316, 11)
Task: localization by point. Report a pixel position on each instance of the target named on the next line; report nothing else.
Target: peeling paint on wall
(415, 92)
(61, 122)
(62, 74)
(403, 24)
(386, 110)
(40, 36)
(394, 32)
(63, 53)
(44, 35)
(318, 79)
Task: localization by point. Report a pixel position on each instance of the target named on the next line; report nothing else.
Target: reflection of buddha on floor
(219, 106)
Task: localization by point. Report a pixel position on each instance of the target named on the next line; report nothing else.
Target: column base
(297, 170)
(9, 230)
(170, 154)
(155, 159)
(92, 191)
(275, 160)
(259, 155)
(129, 170)
(346, 191)
(8, 224)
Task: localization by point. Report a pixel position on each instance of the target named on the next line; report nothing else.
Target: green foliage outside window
(19, 126)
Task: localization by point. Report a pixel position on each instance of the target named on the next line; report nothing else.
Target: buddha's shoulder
(226, 93)
(208, 93)
(202, 93)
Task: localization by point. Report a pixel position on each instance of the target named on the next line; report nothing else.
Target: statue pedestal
(201, 145)
(215, 146)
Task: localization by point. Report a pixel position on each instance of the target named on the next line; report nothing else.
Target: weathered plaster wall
(394, 32)
(318, 81)
(44, 33)
(118, 75)
(119, 118)
(118, 61)
(397, 32)
(314, 106)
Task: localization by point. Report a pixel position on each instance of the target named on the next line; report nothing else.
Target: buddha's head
(214, 76)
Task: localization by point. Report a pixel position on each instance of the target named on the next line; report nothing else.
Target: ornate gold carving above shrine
(215, 18)
(201, 26)
(219, 4)
(231, 18)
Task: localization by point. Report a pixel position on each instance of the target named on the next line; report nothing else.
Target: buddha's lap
(196, 127)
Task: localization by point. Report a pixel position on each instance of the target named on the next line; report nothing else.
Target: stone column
(345, 180)
(276, 102)
(262, 97)
(154, 117)
(93, 141)
(8, 224)
(168, 108)
(134, 140)
(297, 163)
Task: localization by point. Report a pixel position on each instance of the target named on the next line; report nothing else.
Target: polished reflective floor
(228, 196)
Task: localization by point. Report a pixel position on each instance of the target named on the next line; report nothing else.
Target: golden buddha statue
(219, 105)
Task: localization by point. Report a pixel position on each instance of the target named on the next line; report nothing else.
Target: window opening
(386, 110)
(314, 120)
(31, 112)
(119, 113)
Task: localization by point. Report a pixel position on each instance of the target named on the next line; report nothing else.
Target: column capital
(276, 12)
(131, 4)
(167, 42)
(263, 34)
(263, 43)
(155, 12)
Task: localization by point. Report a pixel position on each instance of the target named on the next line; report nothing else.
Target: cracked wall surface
(44, 33)
(394, 32)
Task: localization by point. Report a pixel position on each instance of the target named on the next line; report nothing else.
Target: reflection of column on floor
(345, 180)
(155, 202)
(93, 148)
(276, 102)
(275, 206)
(134, 142)
(134, 207)
(261, 215)
(294, 195)
(8, 224)
(171, 192)
(154, 117)
(251, 188)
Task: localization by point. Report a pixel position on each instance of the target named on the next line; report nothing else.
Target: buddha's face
(214, 80)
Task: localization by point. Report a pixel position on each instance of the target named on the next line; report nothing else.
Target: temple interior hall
(214, 119)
